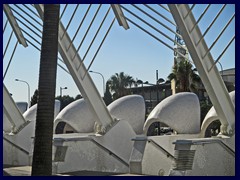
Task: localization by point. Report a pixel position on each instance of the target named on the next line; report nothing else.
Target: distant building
(228, 76)
(152, 94)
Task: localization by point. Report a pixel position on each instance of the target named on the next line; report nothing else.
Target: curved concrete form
(30, 114)
(77, 117)
(130, 108)
(212, 116)
(180, 112)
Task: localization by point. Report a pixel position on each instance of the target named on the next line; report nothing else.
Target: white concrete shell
(31, 113)
(212, 116)
(180, 112)
(130, 108)
(77, 116)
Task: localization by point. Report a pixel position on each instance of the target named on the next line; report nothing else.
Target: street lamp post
(61, 90)
(102, 78)
(157, 124)
(221, 68)
(28, 90)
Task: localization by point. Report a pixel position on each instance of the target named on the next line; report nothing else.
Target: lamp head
(139, 82)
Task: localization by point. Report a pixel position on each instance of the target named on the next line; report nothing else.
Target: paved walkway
(26, 171)
(17, 171)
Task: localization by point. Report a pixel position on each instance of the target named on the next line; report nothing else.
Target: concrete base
(153, 155)
(108, 153)
(183, 155)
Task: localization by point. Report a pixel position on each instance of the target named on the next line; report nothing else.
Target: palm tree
(185, 76)
(34, 98)
(107, 95)
(42, 155)
(118, 84)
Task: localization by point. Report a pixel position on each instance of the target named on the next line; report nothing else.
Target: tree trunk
(42, 155)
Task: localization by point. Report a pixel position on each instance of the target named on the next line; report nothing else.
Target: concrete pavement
(26, 171)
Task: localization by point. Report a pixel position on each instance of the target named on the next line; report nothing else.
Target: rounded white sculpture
(30, 114)
(180, 112)
(130, 108)
(77, 117)
(212, 116)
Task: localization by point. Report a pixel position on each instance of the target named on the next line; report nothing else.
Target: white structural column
(14, 25)
(203, 61)
(120, 16)
(12, 112)
(82, 78)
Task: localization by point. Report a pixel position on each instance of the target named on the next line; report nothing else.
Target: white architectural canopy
(181, 112)
(180, 16)
(114, 146)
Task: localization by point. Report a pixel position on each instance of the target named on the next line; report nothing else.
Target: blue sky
(131, 51)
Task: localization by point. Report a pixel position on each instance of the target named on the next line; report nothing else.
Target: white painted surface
(84, 154)
(23, 139)
(212, 116)
(130, 108)
(149, 159)
(212, 159)
(13, 120)
(31, 113)
(78, 116)
(180, 111)
(7, 126)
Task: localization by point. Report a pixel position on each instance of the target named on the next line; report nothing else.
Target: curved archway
(60, 127)
(164, 129)
(213, 128)
(180, 112)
